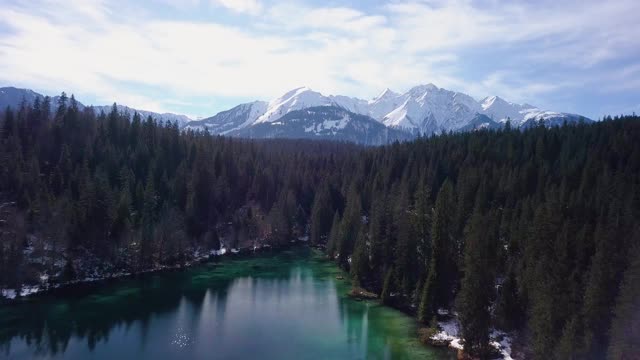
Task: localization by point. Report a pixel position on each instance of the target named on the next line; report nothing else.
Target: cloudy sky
(199, 57)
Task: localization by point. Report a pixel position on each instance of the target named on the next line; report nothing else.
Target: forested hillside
(530, 231)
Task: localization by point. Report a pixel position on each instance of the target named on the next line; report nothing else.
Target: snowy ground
(450, 331)
(25, 291)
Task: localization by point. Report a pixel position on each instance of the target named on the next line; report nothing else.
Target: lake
(284, 305)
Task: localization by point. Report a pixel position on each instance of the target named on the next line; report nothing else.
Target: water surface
(281, 306)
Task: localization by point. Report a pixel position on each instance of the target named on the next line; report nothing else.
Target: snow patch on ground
(222, 251)
(501, 341)
(25, 291)
(450, 331)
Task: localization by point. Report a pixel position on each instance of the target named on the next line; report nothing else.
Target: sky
(199, 57)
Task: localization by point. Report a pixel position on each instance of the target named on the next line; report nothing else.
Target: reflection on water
(283, 306)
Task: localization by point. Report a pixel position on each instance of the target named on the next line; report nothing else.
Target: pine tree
(624, 328)
(422, 224)
(321, 216)
(474, 299)
(442, 273)
(334, 235)
(406, 245)
(388, 287)
(8, 126)
(148, 220)
(349, 227)
(377, 230)
(599, 295)
(360, 259)
(425, 308)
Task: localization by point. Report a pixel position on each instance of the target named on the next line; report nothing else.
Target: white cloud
(253, 7)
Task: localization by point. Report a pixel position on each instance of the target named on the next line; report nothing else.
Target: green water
(281, 306)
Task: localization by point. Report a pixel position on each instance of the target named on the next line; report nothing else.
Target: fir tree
(474, 299)
(624, 328)
(321, 216)
(334, 235)
(360, 259)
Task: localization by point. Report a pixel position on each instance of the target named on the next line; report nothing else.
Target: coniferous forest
(534, 232)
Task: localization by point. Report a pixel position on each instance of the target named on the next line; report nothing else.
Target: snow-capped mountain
(424, 109)
(13, 97)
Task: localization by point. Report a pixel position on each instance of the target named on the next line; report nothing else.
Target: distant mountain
(324, 122)
(13, 97)
(424, 109)
(237, 118)
(182, 120)
(524, 115)
(481, 122)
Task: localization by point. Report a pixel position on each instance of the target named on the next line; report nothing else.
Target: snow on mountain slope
(384, 103)
(406, 116)
(325, 122)
(427, 106)
(354, 105)
(549, 118)
(500, 110)
(236, 118)
(295, 99)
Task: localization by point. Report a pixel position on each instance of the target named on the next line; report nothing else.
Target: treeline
(531, 231)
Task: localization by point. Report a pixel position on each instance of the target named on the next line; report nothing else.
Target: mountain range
(390, 116)
(425, 109)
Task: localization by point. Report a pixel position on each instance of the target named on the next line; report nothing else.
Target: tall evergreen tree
(349, 226)
(321, 213)
(438, 288)
(474, 299)
(334, 235)
(625, 330)
(360, 259)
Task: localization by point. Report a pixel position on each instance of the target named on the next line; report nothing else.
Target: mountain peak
(424, 87)
(386, 94)
(296, 99)
(491, 100)
(294, 92)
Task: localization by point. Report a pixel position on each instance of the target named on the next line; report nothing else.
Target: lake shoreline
(28, 293)
(447, 333)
